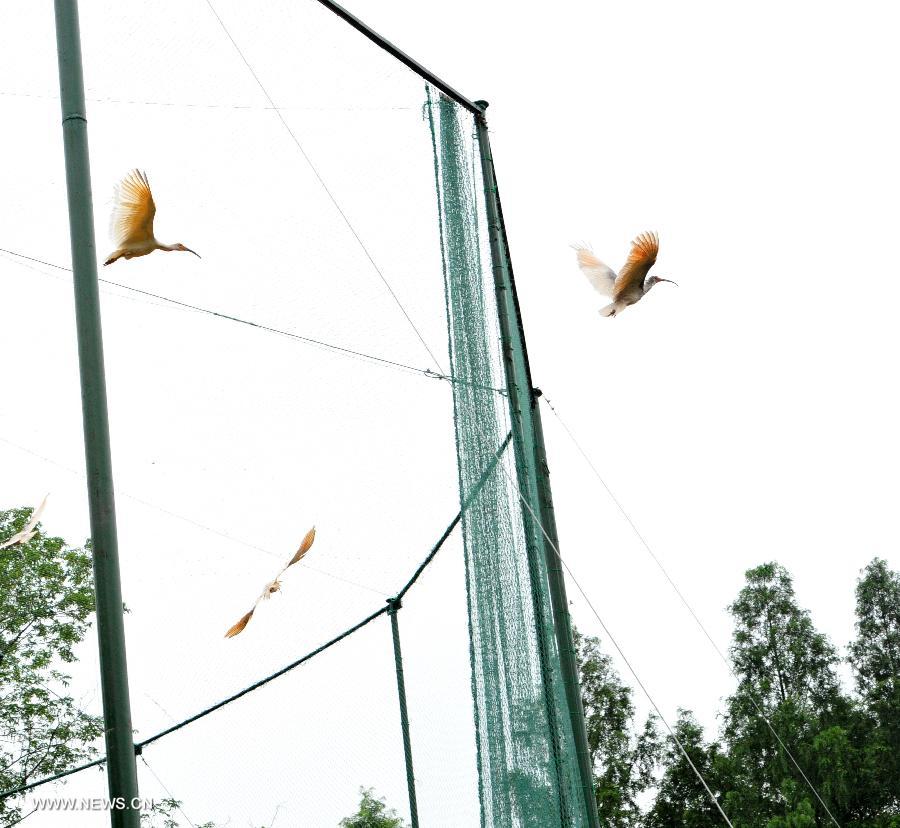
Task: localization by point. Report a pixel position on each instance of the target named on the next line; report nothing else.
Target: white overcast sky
(748, 415)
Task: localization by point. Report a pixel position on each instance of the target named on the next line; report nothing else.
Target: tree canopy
(372, 813)
(46, 598)
(844, 741)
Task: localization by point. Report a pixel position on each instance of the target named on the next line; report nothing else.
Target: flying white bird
(131, 225)
(631, 284)
(28, 531)
(275, 585)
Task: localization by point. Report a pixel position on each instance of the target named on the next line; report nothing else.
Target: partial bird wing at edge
(601, 276)
(35, 516)
(27, 532)
(644, 250)
(132, 217)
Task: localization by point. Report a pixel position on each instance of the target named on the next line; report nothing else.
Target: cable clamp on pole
(393, 604)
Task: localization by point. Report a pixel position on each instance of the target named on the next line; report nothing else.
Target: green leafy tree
(681, 800)
(787, 669)
(802, 815)
(46, 597)
(875, 657)
(372, 813)
(623, 760)
(875, 654)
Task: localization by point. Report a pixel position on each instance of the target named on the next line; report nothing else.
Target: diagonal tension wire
(163, 786)
(207, 311)
(609, 635)
(690, 609)
(427, 372)
(139, 746)
(324, 185)
(156, 507)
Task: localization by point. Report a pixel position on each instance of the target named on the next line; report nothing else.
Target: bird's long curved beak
(194, 252)
(669, 281)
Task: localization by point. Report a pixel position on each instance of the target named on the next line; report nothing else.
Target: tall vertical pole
(531, 458)
(121, 769)
(394, 605)
(561, 620)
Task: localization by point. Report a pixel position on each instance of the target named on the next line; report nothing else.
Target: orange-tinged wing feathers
(132, 218)
(305, 544)
(644, 250)
(274, 586)
(239, 627)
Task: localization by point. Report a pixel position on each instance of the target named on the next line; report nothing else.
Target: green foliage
(162, 815)
(875, 658)
(788, 670)
(623, 761)
(801, 816)
(372, 813)
(875, 654)
(681, 799)
(847, 745)
(46, 597)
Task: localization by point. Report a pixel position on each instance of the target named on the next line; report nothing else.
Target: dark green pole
(121, 769)
(394, 605)
(561, 619)
(534, 480)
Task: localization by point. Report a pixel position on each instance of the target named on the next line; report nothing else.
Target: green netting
(230, 439)
(526, 755)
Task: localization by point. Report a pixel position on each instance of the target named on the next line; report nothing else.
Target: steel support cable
(139, 746)
(690, 609)
(427, 372)
(624, 658)
(250, 323)
(321, 181)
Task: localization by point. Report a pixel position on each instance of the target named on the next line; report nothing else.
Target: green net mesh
(230, 440)
(526, 757)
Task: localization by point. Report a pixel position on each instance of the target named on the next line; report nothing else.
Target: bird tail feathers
(609, 310)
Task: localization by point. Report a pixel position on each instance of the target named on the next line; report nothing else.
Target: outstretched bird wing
(305, 544)
(642, 257)
(601, 276)
(132, 218)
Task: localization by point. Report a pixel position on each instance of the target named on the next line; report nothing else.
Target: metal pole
(121, 769)
(531, 458)
(394, 605)
(405, 59)
(562, 621)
